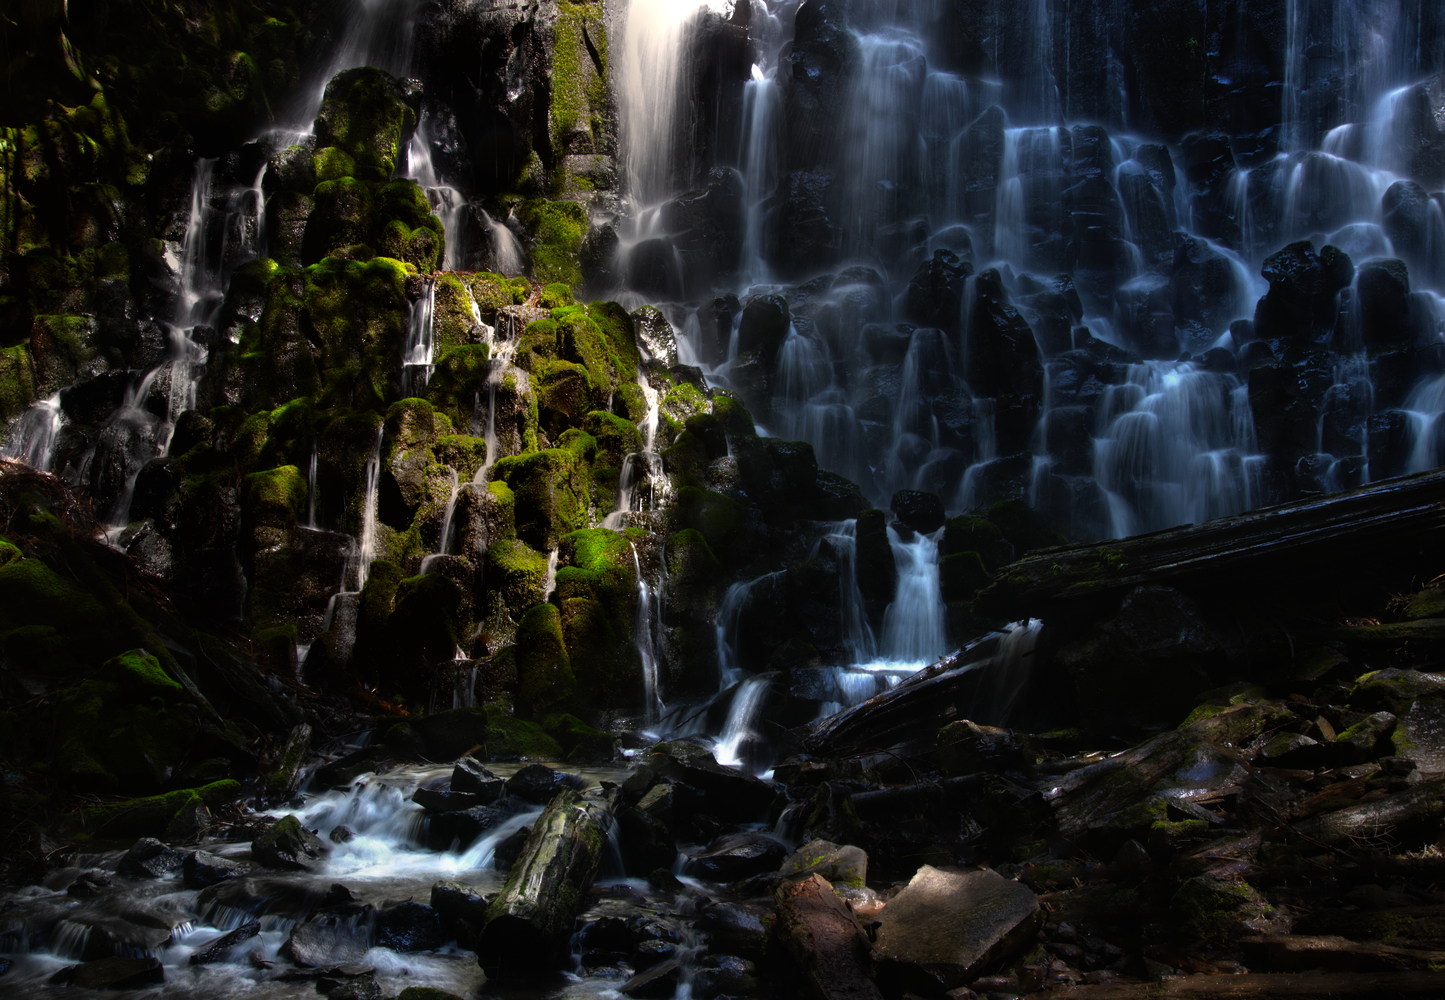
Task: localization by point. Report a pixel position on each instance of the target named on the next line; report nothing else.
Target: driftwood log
(1389, 518)
(528, 925)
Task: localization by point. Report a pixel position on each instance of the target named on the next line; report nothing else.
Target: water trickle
(653, 707)
(363, 550)
(417, 355)
(549, 580)
(642, 474)
(33, 438)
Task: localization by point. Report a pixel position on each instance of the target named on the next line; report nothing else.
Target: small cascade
(641, 471)
(416, 358)
(508, 257)
(1007, 673)
(447, 203)
(913, 623)
(311, 470)
(549, 579)
(34, 436)
(744, 716)
(363, 552)
(652, 708)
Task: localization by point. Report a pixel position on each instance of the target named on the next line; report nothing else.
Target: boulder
(219, 950)
(923, 512)
(149, 858)
(462, 827)
(201, 869)
(409, 927)
(288, 845)
(827, 945)
(736, 856)
(839, 865)
(538, 783)
(113, 974)
(438, 800)
(454, 901)
(942, 930)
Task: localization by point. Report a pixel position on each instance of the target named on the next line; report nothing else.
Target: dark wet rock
(706, 786)
(846, 865)
(945, 927)
(1294, 751)
(288, 845)
(449, 735)
(506, 853)
(149, 858)
(88, 885)
(820, 933)
(219, 950)
(454, 901)
(923, 512)
(471, 777)
(113, 974)
(462, 827)
(935, 294)
(737, 856)
(725, 976)
(359, 988)
(409, 927)
(965, 747)
(425, 993)
(201, 869)
(1383, 300)
(341, 835)
(764, 325)
(662, 980)
(436, 800)
(537, 783)
(331, 937)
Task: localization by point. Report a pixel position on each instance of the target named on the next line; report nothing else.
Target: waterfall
(640, 470)
(743, 716)
(549, 579)
(508, 257)
(363, 552)
(33, 437)
(913, 623)
(416, 361)
(311, 486)
(642, 628)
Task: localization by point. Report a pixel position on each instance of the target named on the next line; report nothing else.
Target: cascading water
(416, 364)
(363, 551)
(642, 627)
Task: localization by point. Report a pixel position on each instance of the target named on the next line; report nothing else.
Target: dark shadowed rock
(149, 858)
(201, 869)
(454, 901)
(437, 800)
(331, 937)
(945, 927)
(470, 776)
(409, 927)
(737, 856)
(113, 974)
(220, 949)
(288, 845)
(462, 827)
(537, 783)
(923, 512)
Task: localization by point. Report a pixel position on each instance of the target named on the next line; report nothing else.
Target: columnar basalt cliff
(950, 487)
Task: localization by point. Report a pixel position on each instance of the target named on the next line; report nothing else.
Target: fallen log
(1395, 515)
(821, 934)
(1280, 986)
(914, 710)
(528, 925)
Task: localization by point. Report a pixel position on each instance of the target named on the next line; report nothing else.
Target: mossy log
(529, 923)
(1290, 540)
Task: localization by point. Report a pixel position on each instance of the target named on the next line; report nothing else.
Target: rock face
(288, 845)
(945, 927)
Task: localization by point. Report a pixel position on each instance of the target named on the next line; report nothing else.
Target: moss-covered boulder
(367, 117)
(544, 670)
(551, 490)
(358, 313)
(125, 728)
(152, 816)
(556, 230)
(516, 571)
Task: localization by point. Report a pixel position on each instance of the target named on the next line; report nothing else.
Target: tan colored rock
(819, 932)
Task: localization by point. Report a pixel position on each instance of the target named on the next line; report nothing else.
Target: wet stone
(537, 783)
(149, 858)
(113, 974)
(454, 901)
(364, 988)
(88, 885)
(662, 980)
(330, 938)
(737, 856)
(507, 851)
(839, 865)
(440, 801)
(200, 869)
(288, 845)
(219, 950)
(470, 777)
(461, 828)
(410, 927)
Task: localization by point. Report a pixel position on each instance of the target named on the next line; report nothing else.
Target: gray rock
(219, 950)
(471, 777)
(149, 858)
(328, 939)
(201, 869)
(454, 901)
(839, 865)
(439, 801)
(945, 927)
(409, 927)
(737, 856)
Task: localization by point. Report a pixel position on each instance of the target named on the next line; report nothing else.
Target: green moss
(35, 602)
(139, 676)
(720, 519)
(511, 738)
(684, 401)
(551, 491)
(555, 296)
(616, 438)
(332, 164)
(493, 292)
(276, 497)
(464, 454)
(17, 383)
(151, 815)
(1209, 908)
(544, 670)
(560, 224)
(515, 570)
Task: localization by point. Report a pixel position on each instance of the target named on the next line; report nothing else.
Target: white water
(416, 359)
(652, 705)
(641, 479)
(363, 552)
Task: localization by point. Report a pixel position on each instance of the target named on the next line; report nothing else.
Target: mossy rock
(150, 816)
(555, 296)
(1394, 690)
(276, 498)
(580, 742)
(51, 626)
(365, 115)
(511, 738)
(457, 386)
(735, 418)
(616, 438)
(516, 571)
(493, 292)
(544, 670)
(359, 312)
(683, 401)
(721, 520)
(966, 533)
(1210, 908)
(551, 492)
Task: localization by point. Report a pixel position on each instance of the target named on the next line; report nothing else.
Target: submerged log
(1395, 515)
(529, 923)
